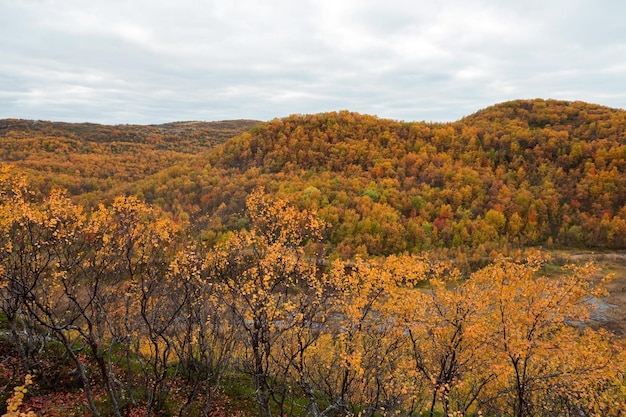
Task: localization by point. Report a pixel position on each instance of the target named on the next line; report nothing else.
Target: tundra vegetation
(120, 307)
(325, 265)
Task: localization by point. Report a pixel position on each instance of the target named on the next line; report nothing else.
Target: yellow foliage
(14, 403)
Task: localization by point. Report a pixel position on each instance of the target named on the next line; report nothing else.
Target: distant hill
(520, 173)
(91, 158)
(526, 172)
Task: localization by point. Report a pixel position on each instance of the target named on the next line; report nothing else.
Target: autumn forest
(332, 264)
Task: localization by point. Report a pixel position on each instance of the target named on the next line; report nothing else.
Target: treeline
(148, 322)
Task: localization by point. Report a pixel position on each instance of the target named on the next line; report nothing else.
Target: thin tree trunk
(433, 403)
(260, 379)
(83, 376)
(26, 362)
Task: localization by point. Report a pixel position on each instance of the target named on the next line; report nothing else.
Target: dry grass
(616, 315)
(612, 312)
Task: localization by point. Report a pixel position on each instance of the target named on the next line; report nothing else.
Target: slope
(88, 159)
(527, 172)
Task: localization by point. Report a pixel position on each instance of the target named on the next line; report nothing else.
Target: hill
(88, 159)
(118, 310)
(516, 174)
(521, 173)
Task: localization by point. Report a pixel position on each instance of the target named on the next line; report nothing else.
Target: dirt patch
(611, 310)
(617, 297)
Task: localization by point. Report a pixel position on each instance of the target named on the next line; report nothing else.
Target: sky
(157, 61)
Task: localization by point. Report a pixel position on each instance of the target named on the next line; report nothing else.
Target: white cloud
(155, 61)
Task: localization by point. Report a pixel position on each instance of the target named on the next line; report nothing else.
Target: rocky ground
(611, 310)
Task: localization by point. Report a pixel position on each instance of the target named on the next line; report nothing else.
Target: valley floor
(611, 313)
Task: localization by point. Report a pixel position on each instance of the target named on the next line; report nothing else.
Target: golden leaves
(14, 403)
(404, 324)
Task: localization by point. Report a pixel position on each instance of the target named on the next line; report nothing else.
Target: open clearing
(611, 312)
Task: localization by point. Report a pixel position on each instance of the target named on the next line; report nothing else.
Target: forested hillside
(334, 264)
(116, 311)
(88, 159)
(522, 173)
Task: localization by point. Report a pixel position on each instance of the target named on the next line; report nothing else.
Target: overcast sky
(155, 61)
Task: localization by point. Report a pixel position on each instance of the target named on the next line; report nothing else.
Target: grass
(609, 264)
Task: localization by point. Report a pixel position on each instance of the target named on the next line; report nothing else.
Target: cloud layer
(139, 61)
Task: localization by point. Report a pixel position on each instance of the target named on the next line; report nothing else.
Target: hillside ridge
(516, 174)
(555, 175)
(87, 158)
